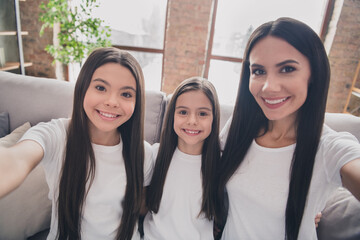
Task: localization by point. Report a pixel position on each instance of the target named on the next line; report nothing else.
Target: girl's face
(279, 78)
(109, 101)
(193, 118)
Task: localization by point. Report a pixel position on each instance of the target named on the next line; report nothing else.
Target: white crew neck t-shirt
(258, 189)
(178, 216)
(102, 207)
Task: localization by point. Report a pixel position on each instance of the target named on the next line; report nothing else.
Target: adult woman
(280, 163)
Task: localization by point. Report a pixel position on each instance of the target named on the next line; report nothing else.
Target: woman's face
(279, 78)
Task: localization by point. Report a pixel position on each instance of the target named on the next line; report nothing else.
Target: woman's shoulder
(329, 135)
(338, 145)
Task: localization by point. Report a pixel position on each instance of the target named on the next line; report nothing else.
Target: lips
(106, 115)
(191, 132)
(275, 102)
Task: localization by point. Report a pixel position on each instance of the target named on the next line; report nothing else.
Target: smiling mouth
(275, 101)
(107, 115)
(191, 131)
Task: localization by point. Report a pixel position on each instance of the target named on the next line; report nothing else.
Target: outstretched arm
(350, 176)
(16, 163)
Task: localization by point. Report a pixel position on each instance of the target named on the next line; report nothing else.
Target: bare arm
(16, 163)
(350, 176)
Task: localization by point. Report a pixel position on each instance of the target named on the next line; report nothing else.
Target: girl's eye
(258, 72)
(203, 114)
(127, 95)
(100, 88)
(287, 69)
(182, 112)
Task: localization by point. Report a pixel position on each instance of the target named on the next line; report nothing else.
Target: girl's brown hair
(169, 142)
(79, 164)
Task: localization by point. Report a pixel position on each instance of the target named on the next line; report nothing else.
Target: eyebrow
(202, 108)
(277, 65)
(108, 84)
(286, 62)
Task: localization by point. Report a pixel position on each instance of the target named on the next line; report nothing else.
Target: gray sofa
(25, 213)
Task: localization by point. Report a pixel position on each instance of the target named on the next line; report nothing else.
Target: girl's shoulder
(52, 129)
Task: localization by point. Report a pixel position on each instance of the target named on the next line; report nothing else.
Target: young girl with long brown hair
(180, 196)
(94, 162)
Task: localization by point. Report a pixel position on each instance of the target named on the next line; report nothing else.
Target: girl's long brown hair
(169, 142)
(79, 164)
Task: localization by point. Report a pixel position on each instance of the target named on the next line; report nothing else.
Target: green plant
(79, 32)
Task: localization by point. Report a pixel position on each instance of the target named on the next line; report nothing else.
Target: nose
(271, 84)
(112, 101)
(192, 119)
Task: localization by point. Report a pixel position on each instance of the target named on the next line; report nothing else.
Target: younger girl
(180, 194)
(93, 161)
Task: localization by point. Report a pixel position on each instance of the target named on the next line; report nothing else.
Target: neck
(191, 150)
(106, 139)
(281, 133)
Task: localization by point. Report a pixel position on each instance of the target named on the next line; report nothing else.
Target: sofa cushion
(27, 209)
(341, 217)
(14, 136)
(4, 124)
(155, 102)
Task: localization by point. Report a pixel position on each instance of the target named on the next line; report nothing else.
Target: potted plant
(76, 31)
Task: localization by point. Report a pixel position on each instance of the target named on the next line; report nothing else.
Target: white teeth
(108, 115)
(191, 132)
(275, 101)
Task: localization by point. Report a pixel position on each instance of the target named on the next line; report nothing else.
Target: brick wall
(33, 44)
(187, 34)
(344, 52)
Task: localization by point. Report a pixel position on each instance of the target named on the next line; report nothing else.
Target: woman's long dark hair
(79, 165)
(248, 118)
(169, 142)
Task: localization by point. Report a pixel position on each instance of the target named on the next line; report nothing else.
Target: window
(234, 21)
(138, 26)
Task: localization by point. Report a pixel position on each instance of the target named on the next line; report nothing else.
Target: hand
(317, 219)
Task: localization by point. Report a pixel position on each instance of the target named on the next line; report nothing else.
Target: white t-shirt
(178, 216)
(102, 208)
(258, 190)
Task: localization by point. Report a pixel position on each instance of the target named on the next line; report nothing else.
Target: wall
(343, 44)
(33, 44)
(186, 37)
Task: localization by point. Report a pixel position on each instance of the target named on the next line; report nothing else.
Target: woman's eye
(258, 72)
(126, 94)
(287, 69)
(100, 88)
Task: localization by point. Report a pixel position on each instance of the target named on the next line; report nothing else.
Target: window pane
(135, 23)
(151, 64)
(236, 19)
(225, 76)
